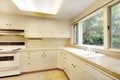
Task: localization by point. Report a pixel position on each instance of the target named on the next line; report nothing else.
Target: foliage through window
(92, 29)
(115, 26)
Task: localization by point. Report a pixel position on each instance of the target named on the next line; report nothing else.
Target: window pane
(75, 33)
(115, 26)
(93, 30)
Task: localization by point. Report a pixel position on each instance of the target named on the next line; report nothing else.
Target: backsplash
(46, 42)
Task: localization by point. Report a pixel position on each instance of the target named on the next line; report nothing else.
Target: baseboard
(45, 71)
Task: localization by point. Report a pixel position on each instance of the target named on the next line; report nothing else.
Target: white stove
(9, 60)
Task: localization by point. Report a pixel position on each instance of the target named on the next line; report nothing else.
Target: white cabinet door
(24, 61)
(49, 58)
(74, 67)
(60, 59)
(31, 61)
(11, 22)
(36, 61)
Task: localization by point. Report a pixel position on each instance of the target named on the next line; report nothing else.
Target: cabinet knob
(74, 66)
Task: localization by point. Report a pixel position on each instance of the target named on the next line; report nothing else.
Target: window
(75, 33)
(115, 26)
(92, 30)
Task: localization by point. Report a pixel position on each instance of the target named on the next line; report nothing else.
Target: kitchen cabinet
(97, 74)
(60, 59)
(47, 29)
(31, 61)
(49, 58)
(38, 60)
(36, 33)
(74, 67)
(25, 61)
(11, 22)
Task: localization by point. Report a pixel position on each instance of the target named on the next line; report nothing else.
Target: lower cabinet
(60, 59)
(49, 58)
(38, 60)
(74, 67)
(93, 73)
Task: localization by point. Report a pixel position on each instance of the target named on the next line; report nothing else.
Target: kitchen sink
(84, 53)
(90, 55)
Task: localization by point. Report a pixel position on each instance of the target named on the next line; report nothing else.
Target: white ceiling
(68, 10)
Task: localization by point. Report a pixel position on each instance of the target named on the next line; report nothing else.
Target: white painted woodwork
(45, 28)
(60, 59)
(12, 22)
(49, 58)
(38, 60)
(75, 68)
(93, 73)
(36, 27)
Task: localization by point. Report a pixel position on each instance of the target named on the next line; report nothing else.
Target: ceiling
(68, 10)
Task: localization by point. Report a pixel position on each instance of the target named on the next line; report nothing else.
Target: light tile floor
(48, 75)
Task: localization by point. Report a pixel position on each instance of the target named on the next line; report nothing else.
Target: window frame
(76, 33)
(106, 19)
(116, 49)
(107, 24)
(81, 30)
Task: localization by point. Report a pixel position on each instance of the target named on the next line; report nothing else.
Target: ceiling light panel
(41, 6)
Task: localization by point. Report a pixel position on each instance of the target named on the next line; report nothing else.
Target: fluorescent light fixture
(41, 6)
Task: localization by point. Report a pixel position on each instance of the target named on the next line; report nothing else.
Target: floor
(48, 75)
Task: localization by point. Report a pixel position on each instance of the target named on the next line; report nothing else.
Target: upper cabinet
(47, 28)
(11, 22)
(36, 27)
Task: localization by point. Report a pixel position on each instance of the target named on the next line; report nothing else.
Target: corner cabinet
(73, 66)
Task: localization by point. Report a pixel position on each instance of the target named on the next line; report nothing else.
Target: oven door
(9, 59)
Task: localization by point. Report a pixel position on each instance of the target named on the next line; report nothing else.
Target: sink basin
(83, 53)
(87, 54)
(90, 55)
